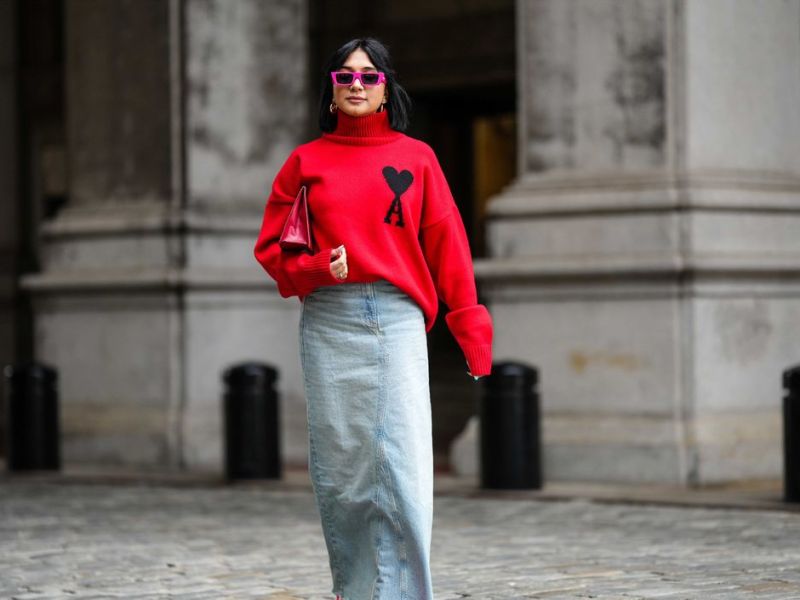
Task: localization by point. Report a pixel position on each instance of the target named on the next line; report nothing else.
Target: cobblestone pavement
(67, 540)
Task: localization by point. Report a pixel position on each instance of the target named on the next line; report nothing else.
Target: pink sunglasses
(369, 78)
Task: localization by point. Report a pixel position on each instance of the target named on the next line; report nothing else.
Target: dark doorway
(458, 64)
(32, 178)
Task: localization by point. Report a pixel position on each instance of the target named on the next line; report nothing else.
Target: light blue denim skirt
(363, 350)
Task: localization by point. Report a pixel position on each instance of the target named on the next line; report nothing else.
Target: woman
(390, 241)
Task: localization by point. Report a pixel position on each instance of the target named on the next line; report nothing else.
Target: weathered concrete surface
(594, 83)
(742, 86)
(118, 98)
(247, 97)
(646, 257)
(247, 108)
(149, 289)
(90, 541)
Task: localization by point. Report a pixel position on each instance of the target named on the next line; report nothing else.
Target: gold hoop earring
(333, 108)
(382, 107)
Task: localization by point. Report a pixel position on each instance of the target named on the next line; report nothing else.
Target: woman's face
(356, 99)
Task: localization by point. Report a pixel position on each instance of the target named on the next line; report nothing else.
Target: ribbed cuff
(479, 359)
(472, 328)
(316, 269)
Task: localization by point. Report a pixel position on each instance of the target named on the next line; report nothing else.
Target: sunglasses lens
(344, 78)
(369, 78)
(347, 78)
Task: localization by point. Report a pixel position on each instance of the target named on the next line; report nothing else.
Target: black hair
(398, 103)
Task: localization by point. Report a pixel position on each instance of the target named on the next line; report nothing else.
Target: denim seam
(382, 463)
(395, 512)
(378, 440)
(302, 335)
(373, 324)
(326, 516)
(323, 505)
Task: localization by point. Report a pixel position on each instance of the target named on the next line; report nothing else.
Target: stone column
(247, 108)
(646, 258)
(179, 114)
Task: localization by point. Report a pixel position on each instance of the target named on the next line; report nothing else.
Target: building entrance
(458, 64)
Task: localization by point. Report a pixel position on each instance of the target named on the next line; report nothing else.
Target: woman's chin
(357, 110)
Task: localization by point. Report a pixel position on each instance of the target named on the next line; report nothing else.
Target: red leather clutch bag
(296, 233)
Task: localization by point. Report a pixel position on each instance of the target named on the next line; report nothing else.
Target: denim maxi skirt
(363, 350)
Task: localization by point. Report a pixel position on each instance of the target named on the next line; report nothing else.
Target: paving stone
(66, 540)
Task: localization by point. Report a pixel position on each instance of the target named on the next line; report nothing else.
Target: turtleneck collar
(368, 130)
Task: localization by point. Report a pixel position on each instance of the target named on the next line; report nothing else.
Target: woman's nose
(356, 79)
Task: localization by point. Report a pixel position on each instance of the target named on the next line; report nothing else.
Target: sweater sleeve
(447, 253)
(296, 273)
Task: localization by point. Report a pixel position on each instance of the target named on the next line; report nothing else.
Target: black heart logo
(398, 182)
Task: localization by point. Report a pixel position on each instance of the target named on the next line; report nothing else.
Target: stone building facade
(637, 239)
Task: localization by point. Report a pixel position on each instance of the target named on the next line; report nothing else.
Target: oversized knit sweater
(383, 195)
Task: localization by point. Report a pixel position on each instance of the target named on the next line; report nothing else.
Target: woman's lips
(356, 99)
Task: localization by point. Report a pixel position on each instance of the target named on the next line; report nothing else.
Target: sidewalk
(101, 535)
(761, 495)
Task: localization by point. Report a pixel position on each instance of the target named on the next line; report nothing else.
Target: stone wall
(149, 287)
(646, 257)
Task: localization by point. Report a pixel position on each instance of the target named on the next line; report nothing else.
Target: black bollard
(252, 448)
(510, 430)
(791, 435)
(33, 439)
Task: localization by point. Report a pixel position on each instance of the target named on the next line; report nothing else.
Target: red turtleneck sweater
(383, 195)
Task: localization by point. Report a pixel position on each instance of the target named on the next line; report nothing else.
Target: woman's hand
(339, 263)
